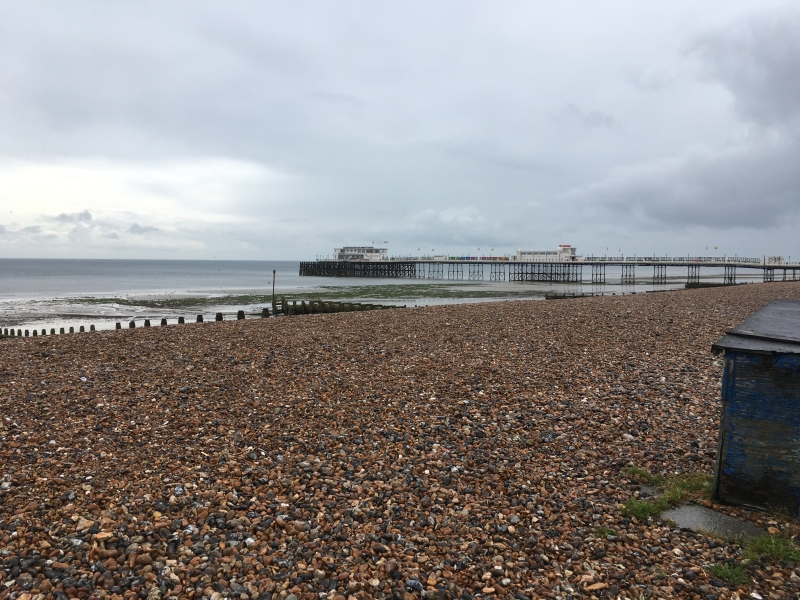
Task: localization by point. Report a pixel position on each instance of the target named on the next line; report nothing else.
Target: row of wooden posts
(320, 306)
(279, 308)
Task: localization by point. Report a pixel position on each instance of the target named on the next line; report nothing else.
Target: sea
(54, 293)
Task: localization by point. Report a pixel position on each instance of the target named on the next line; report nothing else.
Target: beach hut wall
(758, 459)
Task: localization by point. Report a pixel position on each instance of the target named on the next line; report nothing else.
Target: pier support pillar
(693, 276)
(476, 271)
(628, 275)
(435, 270)
(497, 272)
(730, 275)
(769, 275)
(598, 273)
(455, 270)
(659, 274)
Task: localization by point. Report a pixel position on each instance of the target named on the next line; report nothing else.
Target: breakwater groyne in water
(512, 269)
(282, 307)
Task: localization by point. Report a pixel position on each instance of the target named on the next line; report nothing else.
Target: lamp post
(273, 288)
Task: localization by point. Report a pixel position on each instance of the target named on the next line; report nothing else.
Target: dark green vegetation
(755, 549)
(377, 292)
(604, 531)
(674, 490)
(638, 474)
(772, 547)
(732, 574)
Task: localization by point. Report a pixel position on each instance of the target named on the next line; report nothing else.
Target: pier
(633, 268)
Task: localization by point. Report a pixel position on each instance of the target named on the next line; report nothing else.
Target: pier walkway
(509, 269)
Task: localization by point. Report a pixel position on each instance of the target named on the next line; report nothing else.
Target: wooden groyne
(282, 307)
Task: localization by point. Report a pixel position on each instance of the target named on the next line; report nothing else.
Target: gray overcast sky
(279, 130)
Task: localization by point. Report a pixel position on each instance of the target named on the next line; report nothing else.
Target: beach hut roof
(775, 328)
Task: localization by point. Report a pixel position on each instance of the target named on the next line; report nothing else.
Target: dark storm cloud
(752, 185)
(758, 60)
(752, 182)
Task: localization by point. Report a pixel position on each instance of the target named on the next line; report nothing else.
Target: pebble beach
(473, 450)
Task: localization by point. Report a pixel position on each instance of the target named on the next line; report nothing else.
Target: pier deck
(561, 272)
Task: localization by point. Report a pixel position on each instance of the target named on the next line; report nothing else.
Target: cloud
(758, 61)
(460, 214)
(81, 217)
(572, 115)
(137, 229)
(752, 182)
(186, 130)
(752, 185)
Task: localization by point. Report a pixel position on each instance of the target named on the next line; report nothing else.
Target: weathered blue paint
(759, 447)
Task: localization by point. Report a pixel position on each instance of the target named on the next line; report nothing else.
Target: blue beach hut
(758, 461)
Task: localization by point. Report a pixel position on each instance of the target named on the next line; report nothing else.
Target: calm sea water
(45, 293)
(35, 278)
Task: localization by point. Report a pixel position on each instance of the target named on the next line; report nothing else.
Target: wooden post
(163, 322)
(265, 312)
(132, 325)
(219, 316)
(35, 333)
(240, 315)
(91, 327)
(181, 320)
(199, 318)
(61, 331)
(81, 329)
(147, 322)
(119, 325)
(72, 330)
(52, 331)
